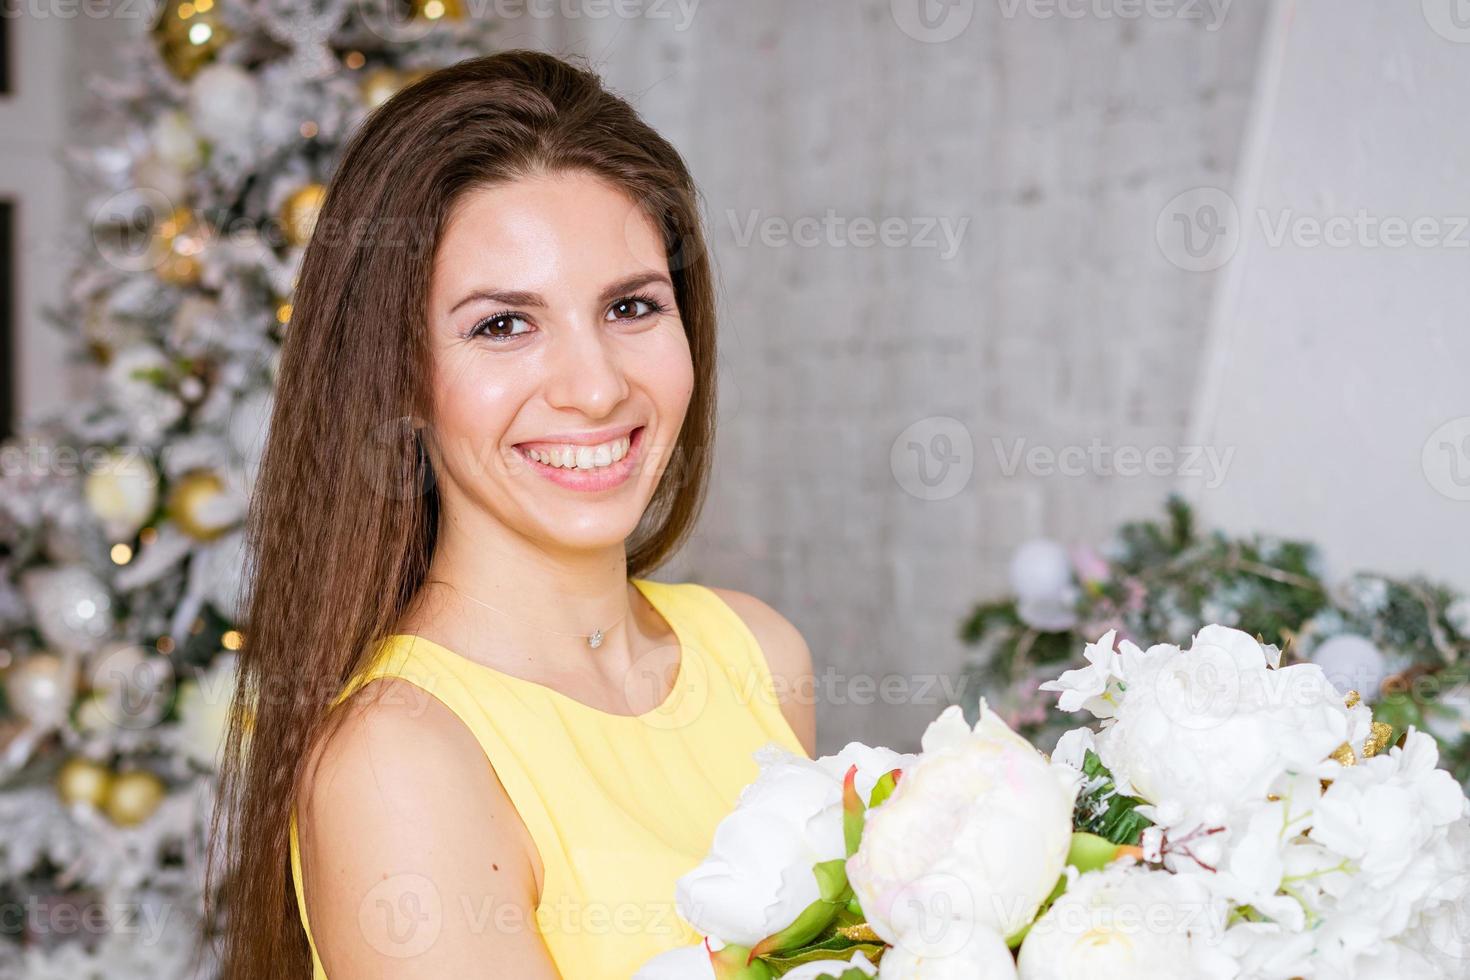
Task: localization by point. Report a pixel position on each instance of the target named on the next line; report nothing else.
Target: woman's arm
(789, 660)
(415, 863)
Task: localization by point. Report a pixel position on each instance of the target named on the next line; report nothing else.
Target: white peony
(1126, 922)
(681, 963)
(758, 876)
(1202, 731)
(693, 963)
(973, 838)
(1383, 811)
(984, 956)
(1094, 687)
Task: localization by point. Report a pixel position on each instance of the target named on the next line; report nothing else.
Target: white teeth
(583, 457)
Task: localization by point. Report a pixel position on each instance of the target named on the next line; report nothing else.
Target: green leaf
(884, 787)
(832, 881)
(1103, 811)
(733, 962)
(837, 949)
(810, 924)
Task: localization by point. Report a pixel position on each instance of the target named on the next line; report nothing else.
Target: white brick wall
(1058, 321)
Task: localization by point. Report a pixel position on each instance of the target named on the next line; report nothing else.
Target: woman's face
(561, 370)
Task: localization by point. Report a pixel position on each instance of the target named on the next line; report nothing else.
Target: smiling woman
(471, 739)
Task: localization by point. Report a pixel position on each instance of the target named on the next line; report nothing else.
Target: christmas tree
(121, 558)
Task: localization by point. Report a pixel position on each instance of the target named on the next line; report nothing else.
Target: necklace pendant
(595, 640)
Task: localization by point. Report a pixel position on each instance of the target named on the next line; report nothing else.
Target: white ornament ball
(133, 685)
(122, 491)
(1352, 663)
(70, 606)
(204, 711)
(1458, 614)
(1041, 569)
(41, 688)
(174, 140)
(224, 100)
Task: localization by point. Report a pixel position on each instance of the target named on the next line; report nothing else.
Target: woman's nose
(585, 371)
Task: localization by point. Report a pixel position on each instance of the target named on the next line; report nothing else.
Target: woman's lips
(597, 478)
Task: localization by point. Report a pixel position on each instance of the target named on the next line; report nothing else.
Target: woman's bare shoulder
(399, 810)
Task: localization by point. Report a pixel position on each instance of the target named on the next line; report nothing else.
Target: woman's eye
(501, 326)
(632, 308)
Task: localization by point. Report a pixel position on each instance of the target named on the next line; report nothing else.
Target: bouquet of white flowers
(1228, 818)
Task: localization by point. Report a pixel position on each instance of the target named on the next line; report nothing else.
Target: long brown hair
(345, 510)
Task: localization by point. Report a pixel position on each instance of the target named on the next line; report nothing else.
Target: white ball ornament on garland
(70, 606)
(174, 140)
(1352, 663)
(122, 491)
(41, 688)
(1041, 577)
(204, 711)
(132, 686)
(224, 100)
(1040, 568)
(1458, 615)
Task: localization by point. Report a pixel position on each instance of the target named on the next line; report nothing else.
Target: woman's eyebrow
(511, 297)
(624, 286)
(517, 297)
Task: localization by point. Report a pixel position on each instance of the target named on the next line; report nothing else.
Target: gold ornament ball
(133, 797)
(189, 34)
(299, 213)
(83, 781)
(177, 245)
(185, 500)
(438, 9)
(378, 86)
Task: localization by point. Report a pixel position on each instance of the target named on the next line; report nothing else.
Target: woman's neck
(536, 592)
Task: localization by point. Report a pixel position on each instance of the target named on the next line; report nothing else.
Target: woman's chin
(585, 532)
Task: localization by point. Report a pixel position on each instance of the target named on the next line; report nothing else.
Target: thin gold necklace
(594, 639)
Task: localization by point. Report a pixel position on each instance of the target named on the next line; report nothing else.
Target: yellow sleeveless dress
(619, 806)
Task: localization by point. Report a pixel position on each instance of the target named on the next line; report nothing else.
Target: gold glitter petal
(1378, 741)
